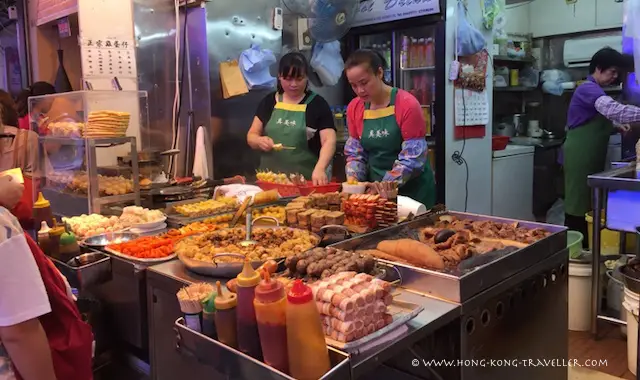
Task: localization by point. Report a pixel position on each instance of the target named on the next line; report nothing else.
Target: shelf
(103, 142)
(505, 58)
(606, 89)
(419, 68)
(514, 89)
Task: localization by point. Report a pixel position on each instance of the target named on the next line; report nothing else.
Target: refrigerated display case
(414, 50)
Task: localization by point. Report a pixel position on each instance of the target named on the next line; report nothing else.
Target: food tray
(234, 364)
(283, 189)
(224, 270)
(227, 270)
(294, 190)
(459, 286)
(139, 260)
(402, 313)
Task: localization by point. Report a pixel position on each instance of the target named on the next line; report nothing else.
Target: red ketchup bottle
(248, 339)
(271, 312)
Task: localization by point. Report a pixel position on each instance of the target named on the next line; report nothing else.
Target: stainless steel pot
(504, 129)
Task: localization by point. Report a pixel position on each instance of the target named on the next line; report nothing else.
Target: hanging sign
(379, 11)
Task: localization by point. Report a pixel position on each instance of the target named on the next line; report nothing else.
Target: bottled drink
(404, 53)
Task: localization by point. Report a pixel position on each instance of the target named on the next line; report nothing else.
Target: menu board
(108, 58)
(49, 10)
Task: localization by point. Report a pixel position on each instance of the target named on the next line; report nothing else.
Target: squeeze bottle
(248, 339)
(308, 355)
(271, 312)
(225, 317)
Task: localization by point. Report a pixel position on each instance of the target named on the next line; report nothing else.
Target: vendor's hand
(319, 177)
(265, 143)
(624, 128)
(10, 192)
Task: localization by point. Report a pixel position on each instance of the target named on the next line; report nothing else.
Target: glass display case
(80, 136)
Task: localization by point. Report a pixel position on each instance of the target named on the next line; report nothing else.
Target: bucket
(579, 296)
(610, 240)
(574, 243)
(631, 304)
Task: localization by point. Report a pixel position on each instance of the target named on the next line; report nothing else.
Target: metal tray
(86, 270)
(461, 286)
(236, 365)
(402, 313)
(225, 270)
(102, 240)
(139, 260)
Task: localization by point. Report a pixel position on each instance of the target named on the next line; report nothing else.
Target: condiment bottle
(271, 312)
(54, 240)
(68, 246)
(248, 339)
(225, 317)
(42, 211)
(43, 237)
(308, 355)
(208, 316)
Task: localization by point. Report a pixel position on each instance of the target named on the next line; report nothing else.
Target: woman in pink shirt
(39, 108)
(386, 131)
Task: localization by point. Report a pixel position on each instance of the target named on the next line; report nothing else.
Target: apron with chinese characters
(585, 153)
(382, 141)
(288, 126)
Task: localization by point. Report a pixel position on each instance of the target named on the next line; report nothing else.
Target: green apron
(585, 153)
(288, 126)
(382, 141)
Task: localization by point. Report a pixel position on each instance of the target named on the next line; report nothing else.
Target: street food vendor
(386, 131)
(293, 127)
(592, 117)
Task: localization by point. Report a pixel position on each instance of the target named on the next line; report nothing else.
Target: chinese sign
(108, 58)
(379, 11)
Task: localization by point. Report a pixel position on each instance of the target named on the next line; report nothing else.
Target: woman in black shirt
(294, 117)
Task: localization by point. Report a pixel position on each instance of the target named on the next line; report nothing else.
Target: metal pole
(595, 249)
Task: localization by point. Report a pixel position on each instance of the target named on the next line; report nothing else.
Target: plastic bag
(254, 65)
(470, 40)
(552, 81)
(327, 62)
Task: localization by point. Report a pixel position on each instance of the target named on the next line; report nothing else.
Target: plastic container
(331, 187)
(248, 339)
(610, 240)
(574, 243)
(359, 188)
(271, 312)
(631, 304)
(308, 354)
(579, 296)
(499, 142)
(225, 317)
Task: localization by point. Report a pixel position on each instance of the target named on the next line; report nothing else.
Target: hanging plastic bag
(470, 40)
(254, 65)
(327, 62)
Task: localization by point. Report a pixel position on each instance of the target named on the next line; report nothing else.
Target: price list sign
(108, 58)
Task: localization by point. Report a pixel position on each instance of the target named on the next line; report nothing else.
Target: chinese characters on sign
(108, 58)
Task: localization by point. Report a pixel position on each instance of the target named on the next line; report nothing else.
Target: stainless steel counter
(167, 278)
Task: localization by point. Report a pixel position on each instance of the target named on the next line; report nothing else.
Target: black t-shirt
(318, 115)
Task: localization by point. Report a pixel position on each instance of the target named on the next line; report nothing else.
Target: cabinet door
(609, 13)
(551, 17)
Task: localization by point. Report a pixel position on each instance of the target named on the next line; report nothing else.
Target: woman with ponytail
(386, 131)
(298, 118)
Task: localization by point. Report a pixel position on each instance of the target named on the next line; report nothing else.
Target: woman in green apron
(386, 131)
(293, 127)
(592, 117)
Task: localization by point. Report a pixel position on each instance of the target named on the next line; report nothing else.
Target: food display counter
(521, 299)
(481, 286)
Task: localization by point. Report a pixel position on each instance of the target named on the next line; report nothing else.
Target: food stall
(391, 289)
